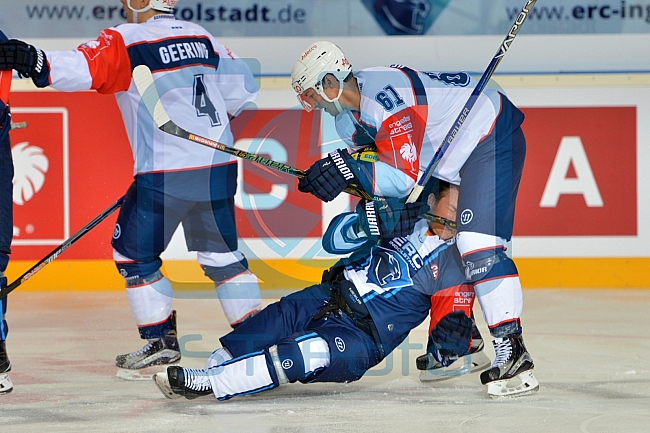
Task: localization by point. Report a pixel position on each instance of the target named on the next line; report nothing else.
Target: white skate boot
(5, 367)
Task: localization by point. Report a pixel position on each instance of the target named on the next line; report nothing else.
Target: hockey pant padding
(301, 357)
(237, 288)
(292, 313)
(352, 351)
(134, 271)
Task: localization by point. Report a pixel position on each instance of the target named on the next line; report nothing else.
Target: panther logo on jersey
(388, 269)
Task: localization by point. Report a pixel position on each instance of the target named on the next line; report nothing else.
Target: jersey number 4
(202, 102)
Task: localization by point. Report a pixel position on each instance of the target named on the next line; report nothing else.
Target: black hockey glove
(450, 338)
(391, 218)
(28, 61)
(328, 177)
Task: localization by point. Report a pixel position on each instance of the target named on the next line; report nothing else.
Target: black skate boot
(179, 382)
(511, 372)
(476, 360)
(5, 367)
(156, 352)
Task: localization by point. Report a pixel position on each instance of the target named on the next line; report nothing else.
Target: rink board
(597, 237)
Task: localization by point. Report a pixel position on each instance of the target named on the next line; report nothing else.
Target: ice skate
(476, 360)
(511, 373)
(179, 382)
(5, 367)
(161, 351)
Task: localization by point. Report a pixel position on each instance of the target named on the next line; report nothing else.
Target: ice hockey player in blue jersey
(405, 115)
(335, 331)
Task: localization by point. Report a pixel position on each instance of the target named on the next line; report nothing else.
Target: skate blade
(522, 384)
(142, 374)
(465, 365)
(162, 382)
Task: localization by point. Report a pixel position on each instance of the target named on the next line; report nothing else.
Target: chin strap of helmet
(334, 101)
(137, 11)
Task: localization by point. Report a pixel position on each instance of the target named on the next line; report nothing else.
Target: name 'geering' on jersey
(201, 84)
(181, 51)
(407, 115)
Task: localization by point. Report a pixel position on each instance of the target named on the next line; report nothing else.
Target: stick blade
(415, 194)
(149, 94)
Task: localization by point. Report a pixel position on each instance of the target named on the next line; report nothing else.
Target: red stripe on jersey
(108, 62)
(505, 321)
(498, 247)
(451, 299)
(5, 85)
(157, 323)
(399, 140)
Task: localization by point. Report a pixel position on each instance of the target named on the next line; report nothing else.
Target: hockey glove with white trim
(450, 338)
(27, 60)
(328, 177)
(391, 218)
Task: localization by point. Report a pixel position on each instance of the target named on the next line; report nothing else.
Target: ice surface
(591, 350)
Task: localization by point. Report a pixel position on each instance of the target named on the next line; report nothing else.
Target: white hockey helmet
(163, 5)
(319, 59)
(157, 5)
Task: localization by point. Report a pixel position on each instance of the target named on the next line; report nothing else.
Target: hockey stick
(464, 112)
(61, 248)
(149, 94)
(18, 125)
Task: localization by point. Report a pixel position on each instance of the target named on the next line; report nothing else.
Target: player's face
(310, 100)
(446, 208)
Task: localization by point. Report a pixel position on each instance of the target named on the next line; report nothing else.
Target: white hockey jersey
(201, 84)
(407, 114)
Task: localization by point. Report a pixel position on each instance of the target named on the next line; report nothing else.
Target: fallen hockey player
(335, 331)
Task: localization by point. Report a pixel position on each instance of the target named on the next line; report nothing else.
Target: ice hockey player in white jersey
(405, 114)
(202, 85)
(335, 331)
